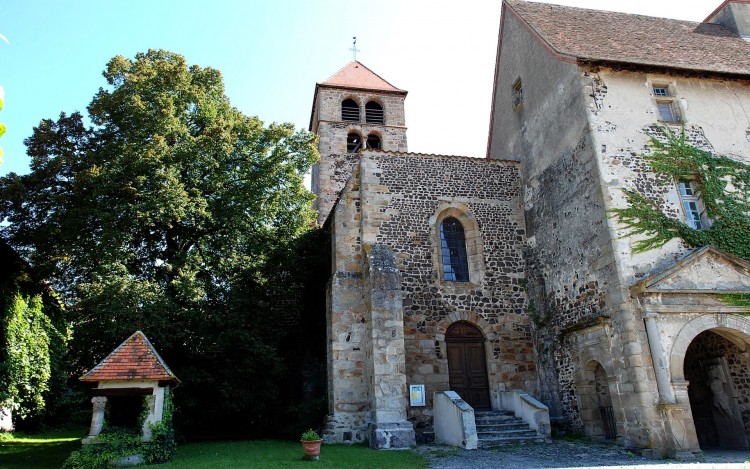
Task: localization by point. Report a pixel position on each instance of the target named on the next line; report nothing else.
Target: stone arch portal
(467, 364)
(710, 354)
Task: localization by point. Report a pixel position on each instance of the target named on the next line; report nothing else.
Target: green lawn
(287, 454)
(49, 450)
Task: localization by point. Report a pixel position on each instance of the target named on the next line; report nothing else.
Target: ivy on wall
(724, 188)
(31, 346)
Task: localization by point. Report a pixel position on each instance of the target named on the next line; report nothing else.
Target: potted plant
(311, 444)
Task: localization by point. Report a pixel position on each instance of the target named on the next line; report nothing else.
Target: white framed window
(667, 106)
(692, 205)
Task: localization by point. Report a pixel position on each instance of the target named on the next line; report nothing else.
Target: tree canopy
(161, 215)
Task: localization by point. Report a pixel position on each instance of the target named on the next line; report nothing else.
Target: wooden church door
(467, 366)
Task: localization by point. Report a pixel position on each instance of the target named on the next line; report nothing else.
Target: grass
(49, 450)
(46, 450)
(287, 454)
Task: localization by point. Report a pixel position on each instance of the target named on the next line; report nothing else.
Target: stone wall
(401, 200)
(575, 283)
(571, 272)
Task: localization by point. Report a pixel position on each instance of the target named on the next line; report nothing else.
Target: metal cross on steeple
(354, 48)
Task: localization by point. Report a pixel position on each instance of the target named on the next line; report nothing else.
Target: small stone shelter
(134, 371)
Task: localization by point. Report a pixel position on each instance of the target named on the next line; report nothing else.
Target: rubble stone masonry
(398, 201)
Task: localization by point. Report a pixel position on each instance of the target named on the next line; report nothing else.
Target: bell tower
(355, 109)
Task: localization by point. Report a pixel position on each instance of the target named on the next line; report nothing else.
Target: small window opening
(353, 142)
(373, 142)
(374, 113)
(453, 249)
(517, 94)
(695, 213)
(349, 111)
(666, 104)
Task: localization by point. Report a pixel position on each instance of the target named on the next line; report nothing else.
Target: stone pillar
(680, 424)
(389, 428)
(97, 418)
(659, 359)
(151, 419)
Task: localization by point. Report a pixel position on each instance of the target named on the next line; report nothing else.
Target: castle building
(633, 341)
(507, 280)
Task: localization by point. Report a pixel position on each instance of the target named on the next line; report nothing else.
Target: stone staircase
(498, 428)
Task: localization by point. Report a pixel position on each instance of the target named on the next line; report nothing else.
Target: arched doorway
(467, 364)
(595, 403)
(719, 390)
(606, 421)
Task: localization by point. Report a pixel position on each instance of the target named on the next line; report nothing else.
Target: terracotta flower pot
(311, 448)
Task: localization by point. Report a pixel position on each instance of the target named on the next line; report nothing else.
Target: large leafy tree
(161, 216)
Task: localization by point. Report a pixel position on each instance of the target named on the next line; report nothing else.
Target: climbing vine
(31, 346)
(724, 188)
(114, 444)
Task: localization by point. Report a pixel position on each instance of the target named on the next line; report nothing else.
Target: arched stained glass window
(453, 248)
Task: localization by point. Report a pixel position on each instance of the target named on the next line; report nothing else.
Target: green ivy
(28, 339)
(736, 299)
(724, 187)
(161, 447)
(116, 443)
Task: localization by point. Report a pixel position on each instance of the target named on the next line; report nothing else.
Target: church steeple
(355, 109)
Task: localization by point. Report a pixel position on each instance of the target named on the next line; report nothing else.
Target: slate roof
(356, 75)
(578, 34)
(134, 359)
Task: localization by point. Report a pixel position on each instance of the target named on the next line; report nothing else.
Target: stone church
(461, 286)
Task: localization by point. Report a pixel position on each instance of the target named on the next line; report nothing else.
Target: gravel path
(565, 454)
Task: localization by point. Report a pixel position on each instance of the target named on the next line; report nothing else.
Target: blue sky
(271, 53)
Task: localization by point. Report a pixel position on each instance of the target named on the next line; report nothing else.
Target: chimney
(734, 15)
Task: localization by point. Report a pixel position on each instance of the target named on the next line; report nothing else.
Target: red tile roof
(134, 359)
(579, 34)
(355, 75)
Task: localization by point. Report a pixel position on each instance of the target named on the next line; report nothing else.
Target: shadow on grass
(50, 450)
(46, 450)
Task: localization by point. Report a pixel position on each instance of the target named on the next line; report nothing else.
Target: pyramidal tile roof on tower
(134, 359)
(356, 75)
(578, 34)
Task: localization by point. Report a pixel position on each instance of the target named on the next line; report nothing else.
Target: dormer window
(666, 104)
(695, 212)
(373, 142)
(374, 113)
(353, 142)
(349, 111)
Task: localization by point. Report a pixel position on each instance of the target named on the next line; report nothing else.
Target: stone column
(680, 423)
(97, 418)
(659, 358)
(389, 428)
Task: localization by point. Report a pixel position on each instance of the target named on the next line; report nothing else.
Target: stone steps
(498, 428)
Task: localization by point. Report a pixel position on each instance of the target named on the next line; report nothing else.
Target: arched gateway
(467, 364)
